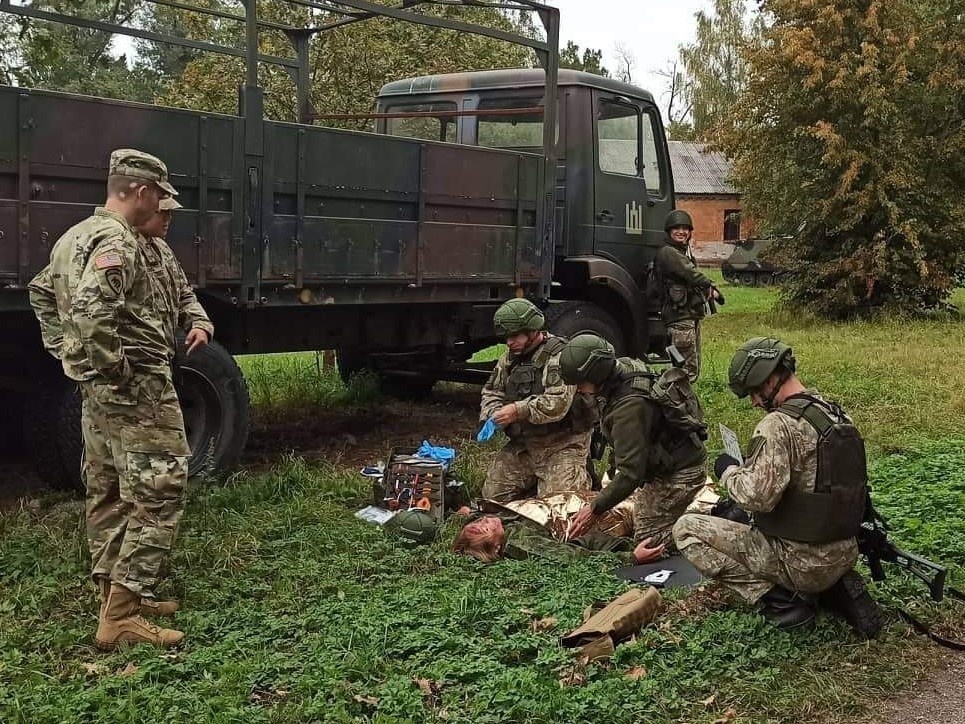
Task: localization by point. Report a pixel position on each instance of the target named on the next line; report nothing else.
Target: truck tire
(214, 401)
(45, 436)
(216, 406)
(568, 319)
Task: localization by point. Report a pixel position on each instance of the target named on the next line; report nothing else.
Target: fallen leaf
(368, 700)
(572, 676)
(94, 669)
(727, 717)
(527, 611)
(544, 624)
(128, 670)
(637, 672)
(709, 701)
(427, 687)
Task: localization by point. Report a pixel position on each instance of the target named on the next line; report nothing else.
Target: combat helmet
(678, 217)
(756, 360)
(517, 315)
(587, 358)
(413, 527)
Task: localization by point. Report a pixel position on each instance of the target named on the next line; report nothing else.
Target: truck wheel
(749, 279)
(215, 403)
(45, 435)
(568, 319)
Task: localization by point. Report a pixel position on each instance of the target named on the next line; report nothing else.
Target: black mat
(684, 576)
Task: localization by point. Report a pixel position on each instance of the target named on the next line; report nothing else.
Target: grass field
(295, 611)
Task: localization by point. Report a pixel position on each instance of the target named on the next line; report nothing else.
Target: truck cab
(614, 181)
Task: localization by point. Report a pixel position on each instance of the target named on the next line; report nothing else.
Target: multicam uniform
(684, 291)
(549, 444)
(782, 459)
(663, 468)
(109, 304)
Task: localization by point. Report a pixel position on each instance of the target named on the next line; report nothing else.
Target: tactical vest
(835, 509)
(683, 429)
(679, 300)
(525, 379)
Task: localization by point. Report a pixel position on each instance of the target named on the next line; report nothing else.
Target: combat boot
(149, 606)
(155, 607)
(120, 623)
(849, 598)
(788, 609)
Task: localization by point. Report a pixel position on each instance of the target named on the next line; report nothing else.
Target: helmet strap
(768, 401)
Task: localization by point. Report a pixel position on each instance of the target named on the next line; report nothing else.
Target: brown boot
(120, 623)
(154, 607)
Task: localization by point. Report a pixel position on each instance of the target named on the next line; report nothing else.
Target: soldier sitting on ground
(654, 426)
(804, 481)
(547, 422)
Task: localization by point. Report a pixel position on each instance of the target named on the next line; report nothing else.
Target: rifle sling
(924, 630)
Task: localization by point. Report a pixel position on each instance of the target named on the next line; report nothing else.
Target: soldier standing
(684, 290)
(805, 483)
(104, 311)
(656, 434)
(547, 423)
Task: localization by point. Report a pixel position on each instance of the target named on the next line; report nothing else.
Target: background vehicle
(748, 264)
(394, 248)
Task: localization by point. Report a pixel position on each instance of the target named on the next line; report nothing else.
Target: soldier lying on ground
(539, 528)
(805, 482)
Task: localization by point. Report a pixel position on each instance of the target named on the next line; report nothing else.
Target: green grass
(298, 612)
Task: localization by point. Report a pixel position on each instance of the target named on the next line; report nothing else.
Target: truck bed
(301, 216)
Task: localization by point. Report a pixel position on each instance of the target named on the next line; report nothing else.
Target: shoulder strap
(553, 344)
(810, 409)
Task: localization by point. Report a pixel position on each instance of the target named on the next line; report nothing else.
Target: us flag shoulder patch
(107, 260)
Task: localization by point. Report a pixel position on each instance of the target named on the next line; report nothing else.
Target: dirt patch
(939, 698)
(363, 435)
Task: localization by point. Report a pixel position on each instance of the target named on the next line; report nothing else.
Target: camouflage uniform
(543, 452)
(662, 469)
(108, 305)
(781, 454)
(684, 292)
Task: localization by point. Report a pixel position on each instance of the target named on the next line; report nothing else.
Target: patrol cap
(168, 203)
(137, 164)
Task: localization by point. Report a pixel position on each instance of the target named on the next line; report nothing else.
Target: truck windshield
(517, 129)
(425, 127)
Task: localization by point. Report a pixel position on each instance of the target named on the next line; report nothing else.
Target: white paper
(374, 514)
(658, 577)
(731, 445)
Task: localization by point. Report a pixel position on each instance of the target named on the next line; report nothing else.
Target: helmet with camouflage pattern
(587, 358)
(756, 360)
(678, 217)
(413, 527)
(517, 315)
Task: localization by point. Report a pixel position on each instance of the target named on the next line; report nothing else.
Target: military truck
(393, 248)
(748, 264)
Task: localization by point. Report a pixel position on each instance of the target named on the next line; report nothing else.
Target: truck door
(631, 189)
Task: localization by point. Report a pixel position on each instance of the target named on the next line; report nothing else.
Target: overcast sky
(651, 30)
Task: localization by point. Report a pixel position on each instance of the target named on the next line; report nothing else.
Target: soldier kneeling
(804, 481)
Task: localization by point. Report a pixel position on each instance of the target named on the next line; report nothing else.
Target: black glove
(720, 297)
(728, 509)
(723, 462)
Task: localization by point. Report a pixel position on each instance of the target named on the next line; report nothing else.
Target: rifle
(715, 296)
(874, 545)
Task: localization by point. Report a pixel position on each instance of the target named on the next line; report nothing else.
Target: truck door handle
(605, 216)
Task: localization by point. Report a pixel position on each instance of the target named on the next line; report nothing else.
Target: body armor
(525, 379)
(836, 507)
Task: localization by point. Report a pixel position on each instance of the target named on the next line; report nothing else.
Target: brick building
(702, 189)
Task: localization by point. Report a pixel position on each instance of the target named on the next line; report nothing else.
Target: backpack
(672, 392)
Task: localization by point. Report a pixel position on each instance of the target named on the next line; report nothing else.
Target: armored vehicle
(748, 264)
(393, 248)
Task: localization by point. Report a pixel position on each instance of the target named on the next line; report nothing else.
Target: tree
(853, 123)
(590, 61)
(71, 58)
(348, 65)
(678, 106)
(626, 62)
(715, 69)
